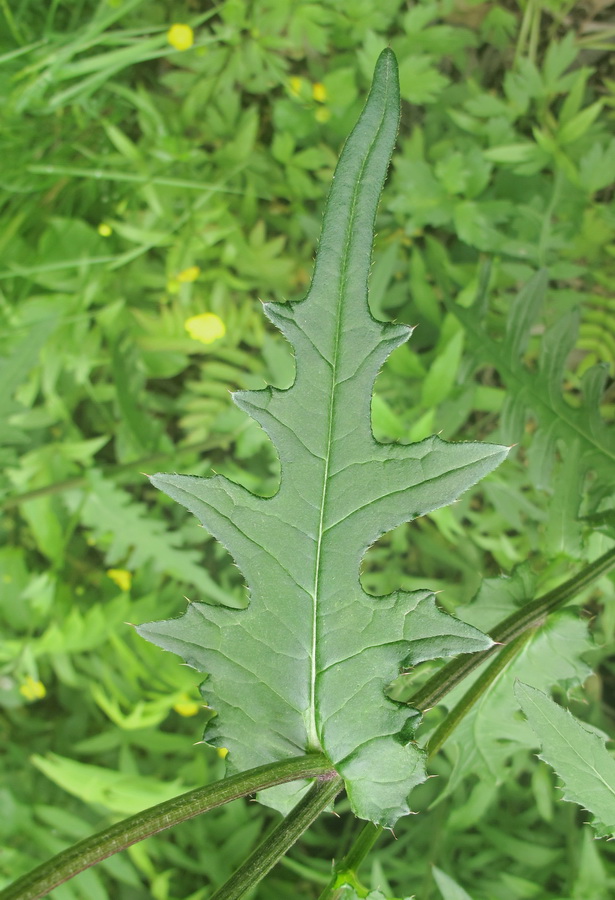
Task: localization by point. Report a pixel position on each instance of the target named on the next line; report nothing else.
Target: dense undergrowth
(151, 197)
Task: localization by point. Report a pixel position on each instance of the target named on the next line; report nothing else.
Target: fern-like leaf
(133, 537)
(579, 436)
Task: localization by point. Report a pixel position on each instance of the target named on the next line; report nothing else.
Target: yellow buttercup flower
(181, 37)
(104, 230)
(121, 577)
(206, 327)
(189, 274)
(222, 752)
(186, 706)
(319, 92)
(295, 84)
(32, 689)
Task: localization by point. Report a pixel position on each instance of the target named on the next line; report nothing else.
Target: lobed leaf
(305, 666)
(578, 756)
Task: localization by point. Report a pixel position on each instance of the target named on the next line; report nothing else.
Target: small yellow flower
(206, 327)
(322, 114)
(319, 92)
(181, 37)
(296, 83)
(189, 274)
(121, 577)
(32, 689)
(222, 752)
(186, 706)
(104, 230)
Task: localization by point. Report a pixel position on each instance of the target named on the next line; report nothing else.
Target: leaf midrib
(313, 737)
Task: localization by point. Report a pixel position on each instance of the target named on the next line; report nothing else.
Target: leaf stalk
(281, 839)
(529, 616)
(100, 846)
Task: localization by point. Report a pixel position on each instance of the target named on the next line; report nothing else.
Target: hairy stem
(529, 616)
(454, 717)
(281, 839)
(94, 849)
(345, 872)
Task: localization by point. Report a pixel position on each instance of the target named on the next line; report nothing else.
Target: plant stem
(345, 872)
(474, 693)
(529, 616)
(281, 839)
(94, 849)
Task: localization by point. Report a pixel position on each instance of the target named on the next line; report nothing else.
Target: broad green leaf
(579, 756)
(305, 666)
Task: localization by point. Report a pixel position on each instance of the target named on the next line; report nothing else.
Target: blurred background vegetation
(164, 169)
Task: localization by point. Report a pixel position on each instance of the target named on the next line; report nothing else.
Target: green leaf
(121, 792)
(347, 892)
(597, 167)
(133, 537)
(420, 80)
(592, 878)
(14, 369)
(305, 666)
(492, 731)
(523, 313)
(576, 127)
(449, 888)
(559, 56)
(579, 436)
(527, 157)
(441, 378)
(579, 756)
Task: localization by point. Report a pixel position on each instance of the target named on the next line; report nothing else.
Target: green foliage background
(126, 163)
